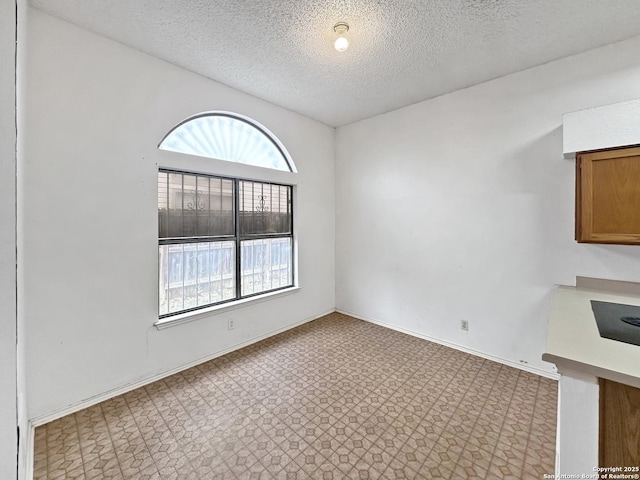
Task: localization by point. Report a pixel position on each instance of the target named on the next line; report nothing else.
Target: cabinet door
(619, 425)
(608, 196)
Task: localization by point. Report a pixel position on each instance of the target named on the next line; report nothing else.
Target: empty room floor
(334, 398)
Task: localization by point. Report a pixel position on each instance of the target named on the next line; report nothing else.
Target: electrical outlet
(231, 323)
(464, 325)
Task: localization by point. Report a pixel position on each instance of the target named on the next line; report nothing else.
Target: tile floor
(333, 399)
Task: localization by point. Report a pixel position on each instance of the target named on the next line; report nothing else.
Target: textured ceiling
(401, 51)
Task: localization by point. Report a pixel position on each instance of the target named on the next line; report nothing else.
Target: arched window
(228, 136)
(222, 238)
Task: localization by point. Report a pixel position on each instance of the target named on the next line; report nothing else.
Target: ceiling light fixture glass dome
(341, 43)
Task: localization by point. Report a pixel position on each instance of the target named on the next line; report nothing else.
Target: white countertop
(573, 340)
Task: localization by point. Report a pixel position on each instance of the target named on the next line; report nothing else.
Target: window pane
(195, 274)
(219, 220)
(190, 206)
(264, 208)
(174, 201)
(194, 205)
(226, 138)
(163, 204)
(266, 265)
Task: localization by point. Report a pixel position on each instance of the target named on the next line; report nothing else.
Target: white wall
(8, 368)
(461, 207)
(606, 126)
(25, 454)
(578, 423)
(96, 111)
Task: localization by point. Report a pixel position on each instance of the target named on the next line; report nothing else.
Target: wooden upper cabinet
(608, 196)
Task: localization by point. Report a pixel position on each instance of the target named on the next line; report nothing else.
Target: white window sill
(217, 309)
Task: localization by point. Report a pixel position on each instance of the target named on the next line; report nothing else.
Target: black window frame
(238, 238)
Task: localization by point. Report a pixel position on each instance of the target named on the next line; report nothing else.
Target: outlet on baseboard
(464, 325)
(231, 323)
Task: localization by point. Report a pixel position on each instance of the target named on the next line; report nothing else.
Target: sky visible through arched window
(227, 137)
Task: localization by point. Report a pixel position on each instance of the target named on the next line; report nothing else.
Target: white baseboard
(509, 363)
(76, 407)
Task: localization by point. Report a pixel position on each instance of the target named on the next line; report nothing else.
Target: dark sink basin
(617, 321)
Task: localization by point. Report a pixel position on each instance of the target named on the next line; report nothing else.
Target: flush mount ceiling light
(341, 42)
